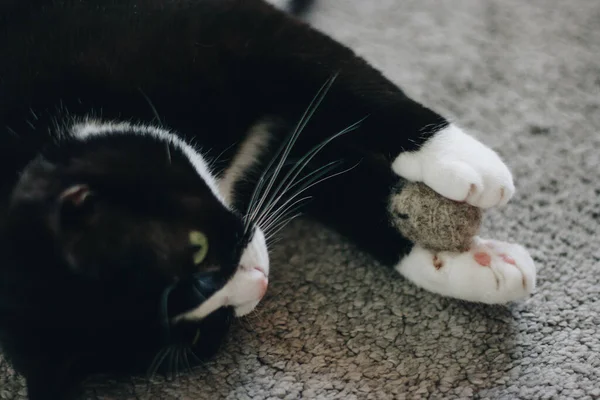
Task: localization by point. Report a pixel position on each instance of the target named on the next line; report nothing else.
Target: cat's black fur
(83, 274)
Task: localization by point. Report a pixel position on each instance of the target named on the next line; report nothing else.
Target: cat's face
(127, 244)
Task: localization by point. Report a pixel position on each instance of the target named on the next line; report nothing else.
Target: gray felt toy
(433, 221)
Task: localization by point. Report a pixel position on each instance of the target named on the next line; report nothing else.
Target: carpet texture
(525, 78)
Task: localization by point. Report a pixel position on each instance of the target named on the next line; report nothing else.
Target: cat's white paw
(491, 272)
(459, 167)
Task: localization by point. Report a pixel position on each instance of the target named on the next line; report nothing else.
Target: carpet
(525, 78)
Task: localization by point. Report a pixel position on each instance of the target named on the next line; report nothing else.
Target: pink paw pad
(483, 259)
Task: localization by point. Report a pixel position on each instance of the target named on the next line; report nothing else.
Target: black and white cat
(149, 149)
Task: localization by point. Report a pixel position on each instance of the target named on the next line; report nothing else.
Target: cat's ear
(76, 202)
(75, 195)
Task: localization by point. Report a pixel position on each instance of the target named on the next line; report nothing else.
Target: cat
(150, 149)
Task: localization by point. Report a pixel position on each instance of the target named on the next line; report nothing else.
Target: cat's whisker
(283, 224)
(254, 207)
(180, 363)
(285, 207)
(282, 220)
(292, 210)
(255, 315)
(157, 362)
(314, 104)
(186, 360)
(265, 213)
(310, 178)
(249, 326)
(216, 160)
(287, 149)
(196, 358)
(176, 363)
(301, 164)
(157, 116)
(311, 183)
(167, 363)
(273, 242)
(164, 311)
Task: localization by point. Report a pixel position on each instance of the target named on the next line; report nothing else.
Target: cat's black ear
(76, 195)
(75, 203)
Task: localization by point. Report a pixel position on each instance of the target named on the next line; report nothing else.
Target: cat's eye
(200, 243)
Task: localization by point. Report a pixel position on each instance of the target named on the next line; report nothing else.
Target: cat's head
(120, 245)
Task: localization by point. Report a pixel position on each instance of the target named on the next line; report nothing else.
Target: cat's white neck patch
(89, 128)
(245, 159)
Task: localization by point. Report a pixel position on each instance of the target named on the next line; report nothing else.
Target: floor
(525, 78)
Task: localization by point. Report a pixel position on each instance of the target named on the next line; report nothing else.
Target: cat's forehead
(156, 147)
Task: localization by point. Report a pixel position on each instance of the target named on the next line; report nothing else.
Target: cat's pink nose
(258, 279)
(262, 280)
(264, 284)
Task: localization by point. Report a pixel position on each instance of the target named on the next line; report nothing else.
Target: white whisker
(315, 103)
(306, 187)
(290, 178)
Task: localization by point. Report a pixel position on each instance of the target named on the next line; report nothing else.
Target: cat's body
(140, 144)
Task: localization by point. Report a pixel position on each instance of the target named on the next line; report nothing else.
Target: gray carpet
(523, 76)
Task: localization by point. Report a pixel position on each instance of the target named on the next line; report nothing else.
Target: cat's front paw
(458, 167)
(491, 272)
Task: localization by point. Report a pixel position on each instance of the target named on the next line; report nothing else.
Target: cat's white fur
(249, 283)
(461, 168)
(245, 158)
(459, 275)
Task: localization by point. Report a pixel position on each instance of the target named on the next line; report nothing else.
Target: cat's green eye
(199, 241)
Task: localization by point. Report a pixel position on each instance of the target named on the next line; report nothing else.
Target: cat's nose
(260, 278)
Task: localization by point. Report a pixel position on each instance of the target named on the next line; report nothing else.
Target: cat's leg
(359, 205)
(285, 70)
(412, 141)
(463, 169)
